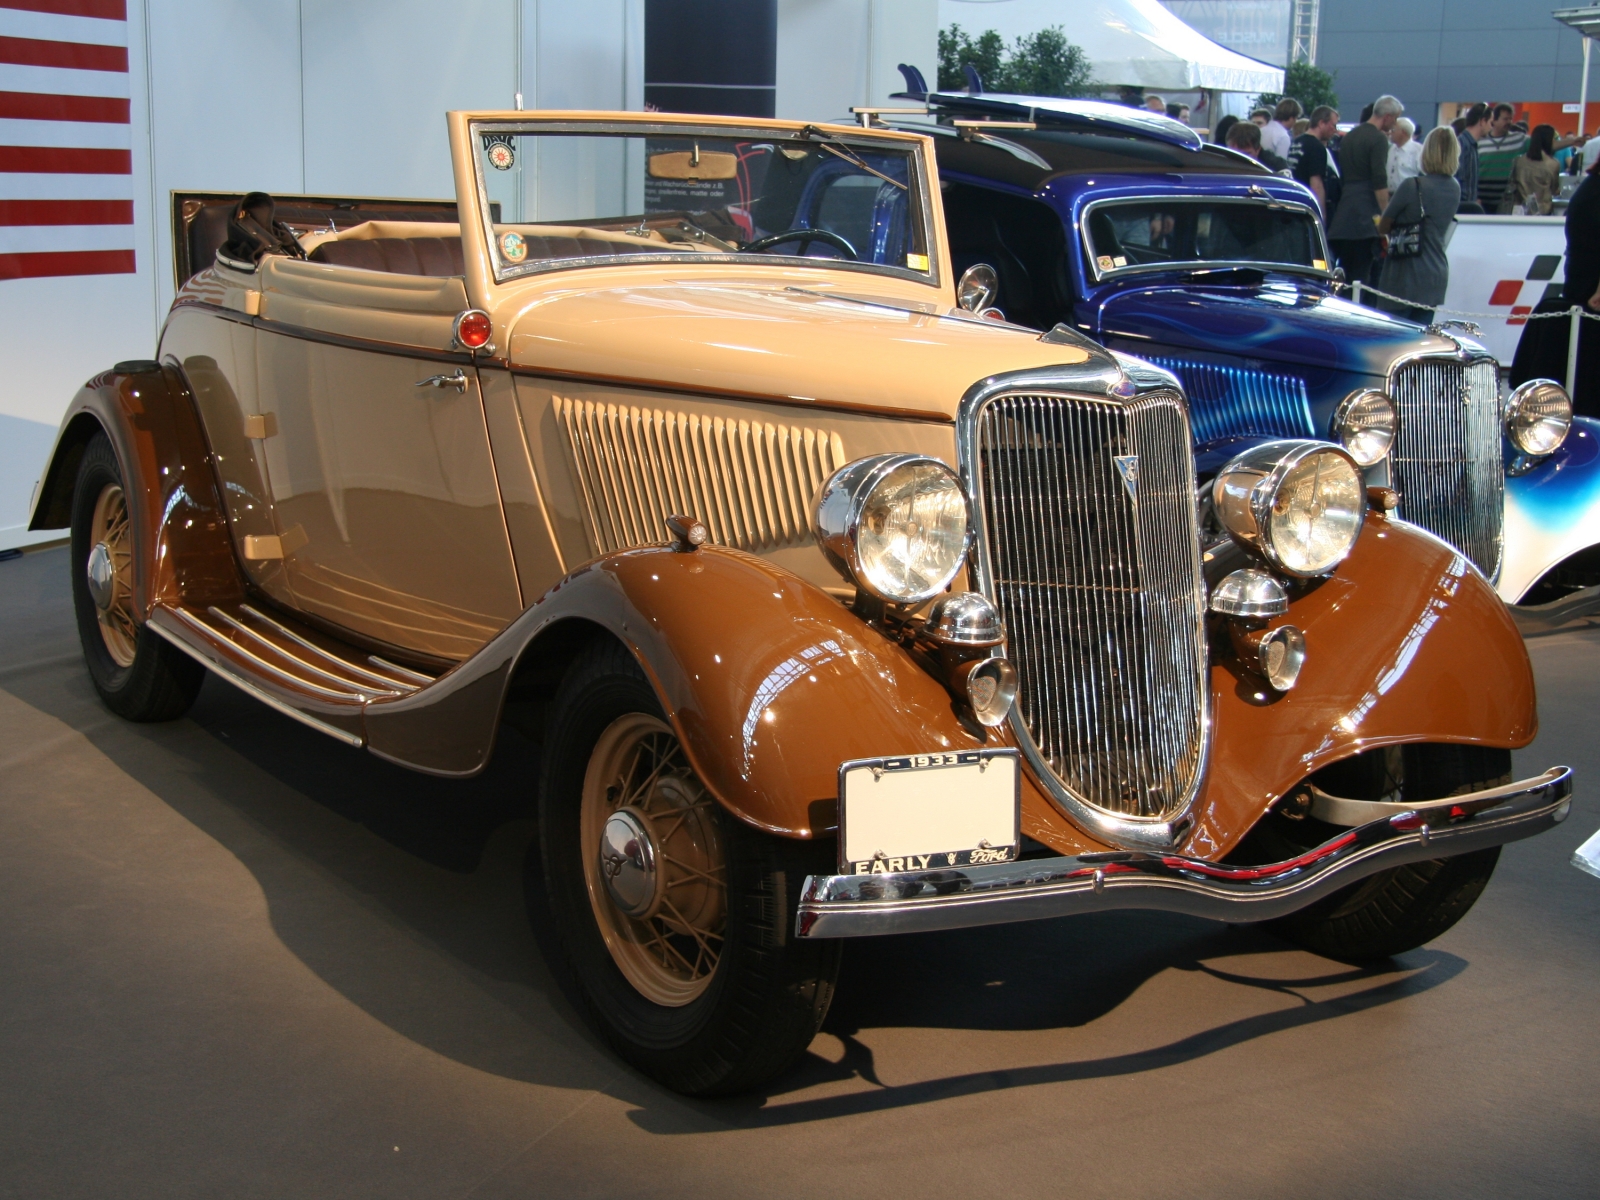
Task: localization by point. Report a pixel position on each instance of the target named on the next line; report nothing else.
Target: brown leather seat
(398, 256)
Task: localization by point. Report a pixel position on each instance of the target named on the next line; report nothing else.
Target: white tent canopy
(1131, 43)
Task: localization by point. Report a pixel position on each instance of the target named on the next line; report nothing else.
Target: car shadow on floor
(441, 860)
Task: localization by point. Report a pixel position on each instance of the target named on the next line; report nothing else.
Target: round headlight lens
(1316, 513)
(895, 524)
(1298, 504)
(1538, 416)
(1365, 425)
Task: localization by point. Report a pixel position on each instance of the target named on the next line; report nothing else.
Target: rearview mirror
(694, 164)
(978, 287)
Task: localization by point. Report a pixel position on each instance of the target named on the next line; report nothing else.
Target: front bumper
(915, 902)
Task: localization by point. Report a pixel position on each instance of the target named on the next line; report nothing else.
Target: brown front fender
(768, 680)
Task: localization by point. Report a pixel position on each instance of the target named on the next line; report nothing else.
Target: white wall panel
(835, 54)
(379, 77)
(225, 106)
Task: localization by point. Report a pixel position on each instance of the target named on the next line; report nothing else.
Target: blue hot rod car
(1126, 226)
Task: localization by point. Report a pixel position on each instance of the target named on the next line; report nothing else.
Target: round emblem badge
(512, 247)
(501, 156)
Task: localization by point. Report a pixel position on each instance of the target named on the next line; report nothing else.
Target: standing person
(1535, 175)
(1311, 163)
(1502, 144)
(1477, 126)
(1364, 168)
(1542, 350)
(1220, 134)
(1405, 152)
(1276, 135)
(1260, 117)
(1156, 104)
(1427, 201)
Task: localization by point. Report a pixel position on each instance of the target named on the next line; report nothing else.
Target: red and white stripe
(66, 157)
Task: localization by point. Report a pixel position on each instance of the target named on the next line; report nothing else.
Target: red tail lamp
(473, 329)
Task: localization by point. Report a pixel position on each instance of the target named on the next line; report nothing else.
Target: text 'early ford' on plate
(921, 812)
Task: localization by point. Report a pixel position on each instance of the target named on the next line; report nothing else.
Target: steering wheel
(805, 237)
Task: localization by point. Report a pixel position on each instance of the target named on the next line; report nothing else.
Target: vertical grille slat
(750, 482)
(1447, 457)
(1100, 591)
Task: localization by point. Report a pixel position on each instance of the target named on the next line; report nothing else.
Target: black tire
(768, 992)
(159, 682)
(1407, 906)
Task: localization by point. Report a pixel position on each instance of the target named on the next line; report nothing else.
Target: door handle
(457, 381)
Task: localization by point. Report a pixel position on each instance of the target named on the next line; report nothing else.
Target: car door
(383, 487)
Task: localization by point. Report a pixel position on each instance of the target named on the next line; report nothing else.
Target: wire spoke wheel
(668, 938)
(109, 528)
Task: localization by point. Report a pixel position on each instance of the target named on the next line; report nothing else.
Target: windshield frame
(915, 146)
(1189, 266)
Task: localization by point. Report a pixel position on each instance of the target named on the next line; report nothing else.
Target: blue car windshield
(567, 198)
(1203, 233)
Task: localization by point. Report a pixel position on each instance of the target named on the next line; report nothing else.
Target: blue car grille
(1236, 402)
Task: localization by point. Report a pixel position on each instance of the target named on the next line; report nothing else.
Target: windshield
(688, 195)
(1205, 233)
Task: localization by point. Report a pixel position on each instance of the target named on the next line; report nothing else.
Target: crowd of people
(1388, 196)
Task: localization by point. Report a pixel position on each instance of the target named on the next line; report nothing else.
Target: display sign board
(1502, 267)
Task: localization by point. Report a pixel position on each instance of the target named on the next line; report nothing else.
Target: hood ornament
(1128, 468)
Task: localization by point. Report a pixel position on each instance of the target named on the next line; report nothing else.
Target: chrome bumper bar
(915, 902)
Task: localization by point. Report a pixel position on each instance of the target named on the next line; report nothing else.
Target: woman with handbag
(1417, 220)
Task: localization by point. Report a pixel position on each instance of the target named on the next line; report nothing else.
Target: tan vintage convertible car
(838, 607)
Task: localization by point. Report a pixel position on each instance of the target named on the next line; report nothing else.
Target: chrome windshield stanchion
(916, 902)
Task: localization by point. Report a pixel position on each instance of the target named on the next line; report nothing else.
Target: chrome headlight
(895, 525)
(1365, 424)
(1538, 416)
(1297, 504)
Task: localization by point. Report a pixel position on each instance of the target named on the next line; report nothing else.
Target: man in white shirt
(1405, 153)
(1278, 134)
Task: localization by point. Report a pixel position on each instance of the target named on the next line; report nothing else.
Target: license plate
(923, 812)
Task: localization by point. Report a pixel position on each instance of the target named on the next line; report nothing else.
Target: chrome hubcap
(102, 576)
(628, 862)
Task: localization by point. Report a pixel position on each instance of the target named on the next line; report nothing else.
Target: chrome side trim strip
(416, 677)
(916, 902)
(350, 696)
(244, 685)
(353, 686)
(397, 686)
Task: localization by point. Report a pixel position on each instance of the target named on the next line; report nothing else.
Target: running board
(302, 673)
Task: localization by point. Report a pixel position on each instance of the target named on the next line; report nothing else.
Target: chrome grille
(1447, 457)
(1238, 402)
(1100, 591)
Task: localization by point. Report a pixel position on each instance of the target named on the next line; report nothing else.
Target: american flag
(66, 160)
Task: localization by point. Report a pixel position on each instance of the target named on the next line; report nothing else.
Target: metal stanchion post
(1572, 351)
(1355, 291)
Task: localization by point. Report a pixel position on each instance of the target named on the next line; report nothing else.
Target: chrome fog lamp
(1538, 416)
(989, 686)
(895, 525)
(1298, 504)
(964, 619)
(1251, 594)
(1278, 654)
(1365, 424)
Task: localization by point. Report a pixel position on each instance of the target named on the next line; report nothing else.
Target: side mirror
(977, 288)
(1338, 275)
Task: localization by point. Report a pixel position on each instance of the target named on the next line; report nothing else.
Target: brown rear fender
(769, 681)
(182, 550)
